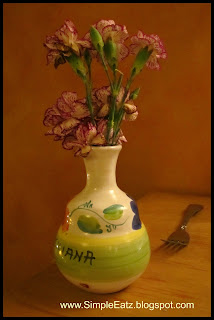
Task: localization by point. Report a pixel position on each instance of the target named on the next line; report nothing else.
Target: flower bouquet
(101, 246)
(95, 120)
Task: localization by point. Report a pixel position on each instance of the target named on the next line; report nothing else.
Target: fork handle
(189, 212)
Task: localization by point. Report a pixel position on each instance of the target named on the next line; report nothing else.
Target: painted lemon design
(113, 212)
(89, 224)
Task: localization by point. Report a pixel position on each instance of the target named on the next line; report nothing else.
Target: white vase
(102, 246)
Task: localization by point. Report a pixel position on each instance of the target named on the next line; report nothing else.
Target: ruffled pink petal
(102, 128)
(83, 100)
(69, 97)
(90, 133)
(117, 33)
(156, 37)
(93, 96)
(99, 140)
(57, 138)
(102, 94)
(80, 111)
(135, 39)
(52, 117)
(103, 23)
(52, 56)
(131, 117)
(84, 43)
(65, 126)
(84, 151)
(52, 120)
(68, 29)
(49, 132)
(154, 43)
(96, 109)
(63, 106)
(69, 25)
(121, 140)
(70, 142)
(80, 134)
(120, 95)
(51, 42)
(104, 111)
(68, 34)
(65, 115)
(140, 34)
(77, 152)
(123, 51)
(139, 41)
(153, 65)
(51, 111)
(87, 37)
(134, 48)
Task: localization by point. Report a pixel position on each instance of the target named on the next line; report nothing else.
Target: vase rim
(117, 147)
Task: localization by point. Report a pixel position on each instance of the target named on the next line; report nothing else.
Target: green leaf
(89, 224)
(140, 60)
(96, 39)
(110, 51)
(113, 212)
(134, 94)
(77, 65)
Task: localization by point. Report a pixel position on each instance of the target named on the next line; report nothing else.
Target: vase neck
(101, 167)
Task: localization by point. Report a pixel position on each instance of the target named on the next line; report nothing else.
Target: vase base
(102, 287)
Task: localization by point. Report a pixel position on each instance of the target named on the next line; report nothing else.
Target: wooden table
(177, 277)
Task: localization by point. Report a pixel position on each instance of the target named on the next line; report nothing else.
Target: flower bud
(131, 117)
(134, 94)
(110, 50)
(130, 108)
(140, 60)
(96, 39)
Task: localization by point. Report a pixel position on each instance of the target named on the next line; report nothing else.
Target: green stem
(106, 70)
(114, 93)
(89, 100)
(111, 117)
(121, 110)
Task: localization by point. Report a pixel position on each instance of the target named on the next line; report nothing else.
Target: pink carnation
(141, 40)
(64, 116)
(63, 42)
(69, 119)
(102, 100)
(118, 33)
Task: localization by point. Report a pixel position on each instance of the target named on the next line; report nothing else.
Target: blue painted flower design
(136, 223)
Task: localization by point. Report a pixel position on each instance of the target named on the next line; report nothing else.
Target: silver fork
(180, 237)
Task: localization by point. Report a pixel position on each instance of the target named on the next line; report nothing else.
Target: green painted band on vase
(106, 259)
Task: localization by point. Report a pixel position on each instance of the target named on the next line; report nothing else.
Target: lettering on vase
(88, 204)
(110, 227)
(73, 254)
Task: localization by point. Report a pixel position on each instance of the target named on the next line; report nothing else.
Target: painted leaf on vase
(136, 223)
(89, 224)
(113, 212)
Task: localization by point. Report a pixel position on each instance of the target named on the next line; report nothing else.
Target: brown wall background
(168, 146)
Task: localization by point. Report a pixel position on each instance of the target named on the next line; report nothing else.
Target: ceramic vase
(102, 246)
